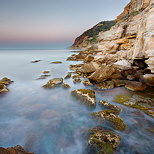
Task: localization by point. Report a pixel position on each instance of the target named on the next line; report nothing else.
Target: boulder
(86, 96)
(110, 116)
(135, 86)
(53, 83)
(148, 79)
(123, 65)
(102, 141)
(103, 73)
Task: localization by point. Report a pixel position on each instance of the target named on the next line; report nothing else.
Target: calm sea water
(51, 121)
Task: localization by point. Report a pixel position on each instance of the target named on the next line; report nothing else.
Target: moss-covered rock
(53, 83)
(105, 85)
(68, 76)
(3, 88)
(5, 81)
(86, 96)
(102, 141)
(105, 104)
(112, 117)
(139, 102)
(65, 85)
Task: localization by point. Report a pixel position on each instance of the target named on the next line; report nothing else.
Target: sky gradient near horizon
(52, 21)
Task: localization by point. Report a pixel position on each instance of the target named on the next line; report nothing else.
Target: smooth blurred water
(51, 121)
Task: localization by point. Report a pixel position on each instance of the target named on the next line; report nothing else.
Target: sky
(52, 21)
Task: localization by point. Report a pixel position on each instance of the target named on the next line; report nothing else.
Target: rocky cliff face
(90, 36)
(132, 37)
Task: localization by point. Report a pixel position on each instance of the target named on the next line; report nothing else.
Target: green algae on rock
(102, 141)
(53, 83)
(105, 104)
(139, 102)
(87, 96)
(111, 116)
(5, 81)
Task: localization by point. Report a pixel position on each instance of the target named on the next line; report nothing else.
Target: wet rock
(77, 80)
(56, 62)
(105, 85)
(14, 150)
(53, 83)
(86, 96)
(87, 83)
(102, 141)
(148, 79)
(112, 117)
(76, 76)
(68, 76)
(105, 104)
(75, 67)
(139, 102)
(65, 85)
(35, 61)
(135, 86)
(130, 77)
(46, 72)
(3, 88)
(5, 81)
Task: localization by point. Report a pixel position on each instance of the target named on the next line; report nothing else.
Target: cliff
(131, 38)
(90, 36)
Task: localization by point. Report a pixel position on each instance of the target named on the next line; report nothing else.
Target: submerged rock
(139, 102)
(65, 85)
(35, 61)
(86, 96)
(105, 85)
(14, 150)
(135, 86)
(105, 104)
(46, 72)
(112, 117)
(68, 76)
(53, 83)
(148, 79)
(102, 141)
(3, 88)
(56, 62)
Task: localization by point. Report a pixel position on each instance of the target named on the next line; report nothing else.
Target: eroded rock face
(53, 83)
(102, 141)
(14, 150)
(86, 96)
(112, 117)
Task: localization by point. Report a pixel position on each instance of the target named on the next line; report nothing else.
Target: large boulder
(102, 141)
(53, 83)
(148, 79)
(86, 96)
(102, 74)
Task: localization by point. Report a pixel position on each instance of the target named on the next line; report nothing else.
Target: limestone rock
(86, 96)
(53, 83)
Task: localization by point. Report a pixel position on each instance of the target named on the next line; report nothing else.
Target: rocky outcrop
(4, 82)
(14, 150)
(53, 83)
(86, 96)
